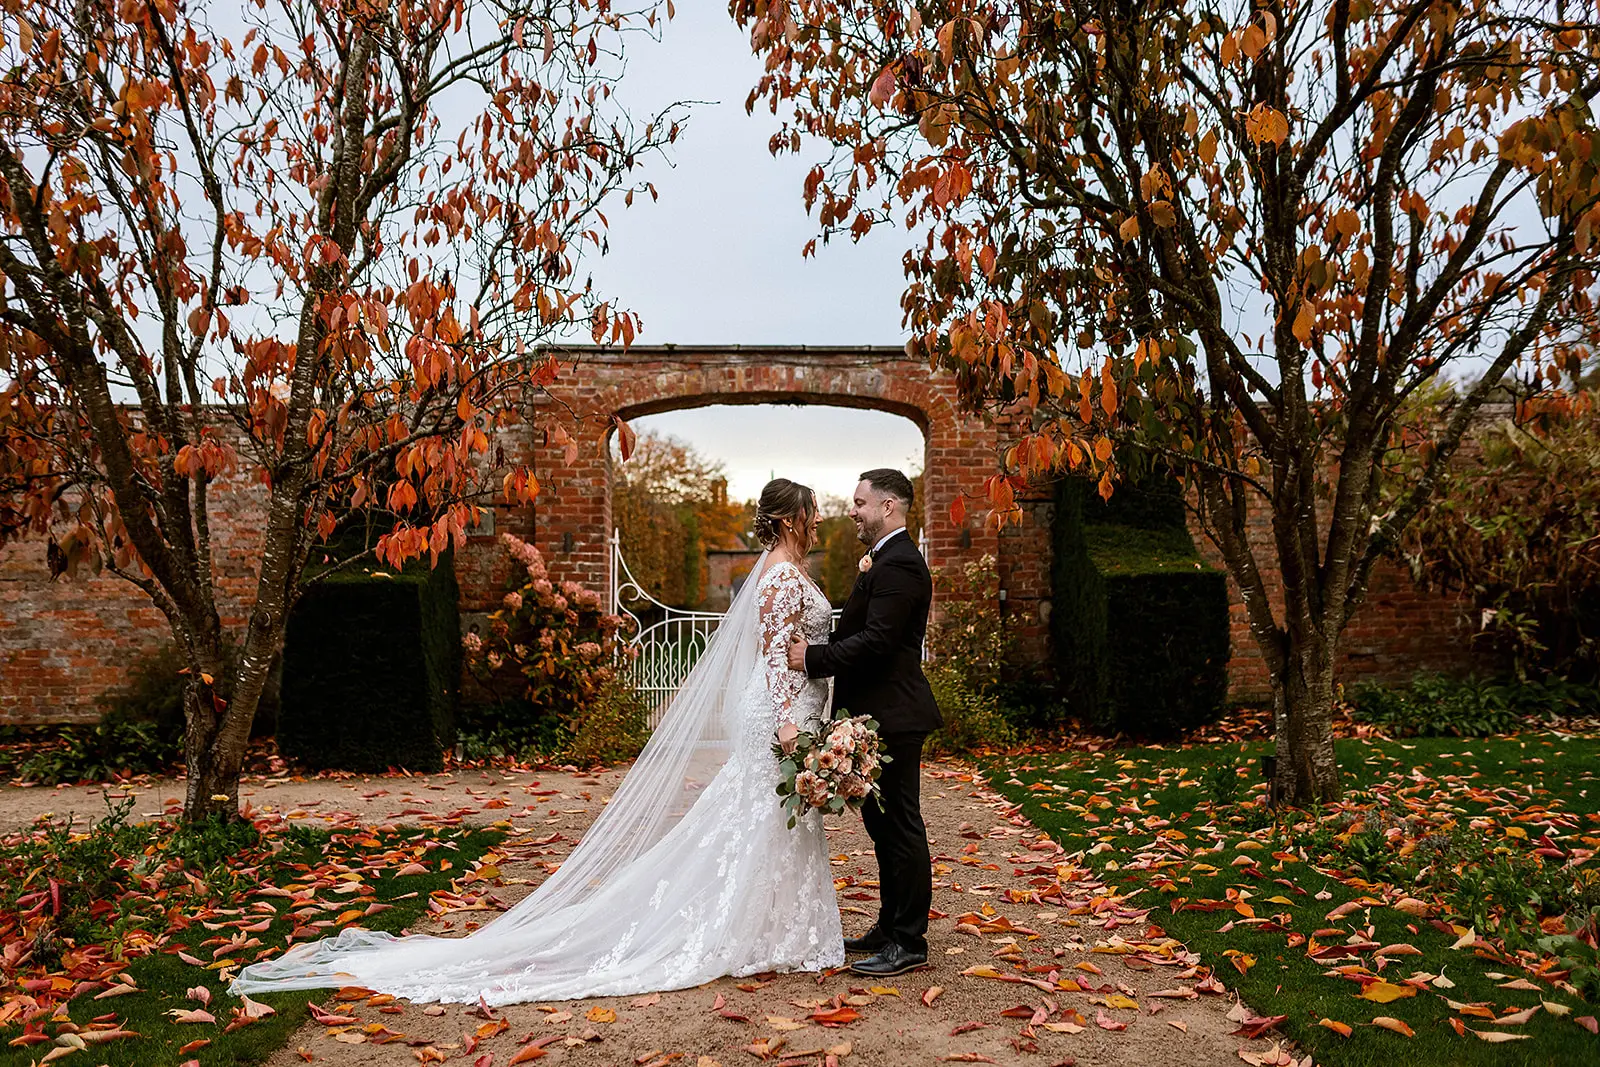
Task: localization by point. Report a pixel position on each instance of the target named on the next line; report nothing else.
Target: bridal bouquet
(829, 770)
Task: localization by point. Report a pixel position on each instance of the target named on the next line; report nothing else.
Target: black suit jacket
(875, 654)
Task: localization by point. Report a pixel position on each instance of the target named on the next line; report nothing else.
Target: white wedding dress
(689, 874)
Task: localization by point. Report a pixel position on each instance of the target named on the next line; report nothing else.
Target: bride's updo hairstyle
(782, 499)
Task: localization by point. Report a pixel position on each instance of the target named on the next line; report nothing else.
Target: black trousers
(894, 822)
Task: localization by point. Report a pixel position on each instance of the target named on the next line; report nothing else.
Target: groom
(875, 659)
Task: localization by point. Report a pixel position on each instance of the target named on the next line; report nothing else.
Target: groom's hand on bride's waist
(797, 653)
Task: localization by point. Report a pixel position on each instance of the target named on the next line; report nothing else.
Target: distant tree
(837, 558)
(670, 505)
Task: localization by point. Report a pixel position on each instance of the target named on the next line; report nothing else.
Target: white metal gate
(668, 648)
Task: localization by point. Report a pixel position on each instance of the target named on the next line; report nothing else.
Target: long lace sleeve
(781, 601)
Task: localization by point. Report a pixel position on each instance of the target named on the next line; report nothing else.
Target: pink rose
(866, 564)
(472, 643)
(543, 587)
(513, 601)
(561, 603)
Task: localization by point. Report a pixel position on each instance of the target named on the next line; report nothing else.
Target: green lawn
(197, 917)
(1452, 824)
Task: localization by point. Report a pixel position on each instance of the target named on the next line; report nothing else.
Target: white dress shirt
(885, 538)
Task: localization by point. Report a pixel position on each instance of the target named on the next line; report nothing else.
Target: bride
(689, 873)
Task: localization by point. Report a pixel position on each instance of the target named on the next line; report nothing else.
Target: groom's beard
(868, 534)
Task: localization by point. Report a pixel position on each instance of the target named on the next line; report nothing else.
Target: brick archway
(572, 516)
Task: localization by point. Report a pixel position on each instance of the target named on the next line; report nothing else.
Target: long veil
(549, 943)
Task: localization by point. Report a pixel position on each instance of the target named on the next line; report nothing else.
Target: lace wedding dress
(689, 874)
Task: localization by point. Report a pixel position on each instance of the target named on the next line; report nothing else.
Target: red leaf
(328, 1018)
(1254, 1027)
(625, 437)
(882, 90)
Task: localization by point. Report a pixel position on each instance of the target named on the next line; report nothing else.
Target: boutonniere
(866, 563)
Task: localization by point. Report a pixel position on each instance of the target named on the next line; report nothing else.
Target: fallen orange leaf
(1382, 992)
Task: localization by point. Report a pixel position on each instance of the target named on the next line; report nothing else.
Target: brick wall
(1397, 632)
(64, 644)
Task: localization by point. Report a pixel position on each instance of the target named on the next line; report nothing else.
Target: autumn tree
(1235, 236)
(316, 251)
(670, 504)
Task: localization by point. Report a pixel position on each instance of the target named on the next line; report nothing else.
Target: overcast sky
(717, 261)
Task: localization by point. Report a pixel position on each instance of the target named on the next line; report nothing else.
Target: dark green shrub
(507, 729)
(1138, 621)
(1438, 706)
(371, 669)
(611, 727)
(98, 752)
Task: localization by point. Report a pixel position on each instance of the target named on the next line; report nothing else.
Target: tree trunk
(1305, 769)
(218, 733)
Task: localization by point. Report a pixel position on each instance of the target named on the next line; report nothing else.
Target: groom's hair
(892, 482)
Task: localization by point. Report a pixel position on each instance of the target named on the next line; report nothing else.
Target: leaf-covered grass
(1435, 837)
(133, 896)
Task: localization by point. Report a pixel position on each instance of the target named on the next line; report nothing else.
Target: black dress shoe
(892, 959)
(871, 941)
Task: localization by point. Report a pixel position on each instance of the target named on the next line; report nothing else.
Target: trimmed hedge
(372, 669)
(1139, 622)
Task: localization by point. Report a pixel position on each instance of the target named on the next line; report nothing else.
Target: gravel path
(992, 866)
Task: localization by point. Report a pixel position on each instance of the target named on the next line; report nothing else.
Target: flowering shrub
(970, 646)
(548, 658)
